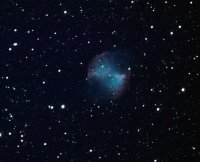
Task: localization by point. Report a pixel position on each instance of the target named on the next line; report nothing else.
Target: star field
(60, 100)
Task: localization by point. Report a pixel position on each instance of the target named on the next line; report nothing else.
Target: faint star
(62, 106)
(15, 44)
(183, 89)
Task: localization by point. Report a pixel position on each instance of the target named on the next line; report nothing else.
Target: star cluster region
(49, 108)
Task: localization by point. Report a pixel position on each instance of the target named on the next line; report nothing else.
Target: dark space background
(46, 114)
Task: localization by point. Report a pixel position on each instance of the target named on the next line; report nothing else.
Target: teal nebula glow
(108, 76)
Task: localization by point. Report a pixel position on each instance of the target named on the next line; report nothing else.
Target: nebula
(108, 74)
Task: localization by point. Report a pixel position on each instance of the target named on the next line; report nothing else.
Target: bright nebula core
(108, 75)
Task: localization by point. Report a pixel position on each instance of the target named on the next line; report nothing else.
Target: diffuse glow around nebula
(107, 71)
